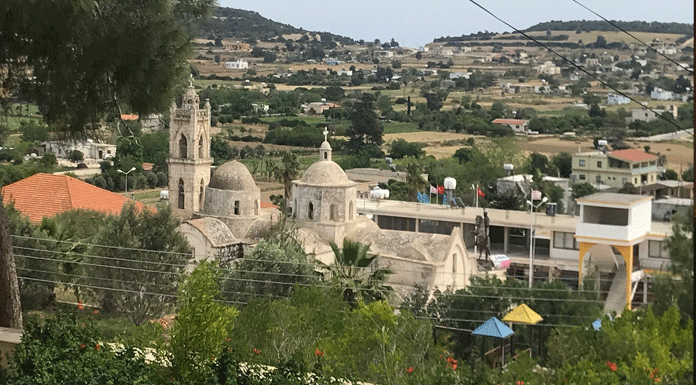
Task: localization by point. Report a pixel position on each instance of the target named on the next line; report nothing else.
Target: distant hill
(601, 25)
(251, 26)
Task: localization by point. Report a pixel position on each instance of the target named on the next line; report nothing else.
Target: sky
(414, 23)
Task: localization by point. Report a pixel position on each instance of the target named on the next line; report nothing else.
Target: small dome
(325, 172)
(233, 176)
(325, 146)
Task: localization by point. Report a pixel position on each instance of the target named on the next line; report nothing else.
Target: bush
(63, 349)
(401, 148)
(162, 179)
(100, 182)
(151, 178)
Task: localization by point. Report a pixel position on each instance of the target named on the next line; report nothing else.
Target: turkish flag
(480, 193)
(440, 189)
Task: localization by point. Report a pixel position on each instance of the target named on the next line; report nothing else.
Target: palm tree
(351, 270)
(287, 171)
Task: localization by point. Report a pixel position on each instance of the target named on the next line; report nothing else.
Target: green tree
(433, 102)
(583, 189)
(401, 148)
(538, 162)
(365, 127)
(563, 163)
(352, 270)
(202, 324)
(76, 156)
(414, 181)
(137, 260)
(287, 171)
(678, 289)
(273, 268)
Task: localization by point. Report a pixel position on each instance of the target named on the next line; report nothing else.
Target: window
(564, 240)
(310, 211)
(582, 176)
(201, 195)
(350, 211)
(581, 162)
(180, 201)
(183, 147)
(326, 155)
(236, 207)
(332, 213)
(256, 207)
(454, 264)
(599, 164)
(200, 147)
(656, 249)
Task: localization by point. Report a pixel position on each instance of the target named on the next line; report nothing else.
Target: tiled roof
(268, 205)
(45, 195)
(129, 117)
(147, 166)
(510, 121)
(633, 155)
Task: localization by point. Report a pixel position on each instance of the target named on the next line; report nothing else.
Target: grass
(400, 128)
(140, 195)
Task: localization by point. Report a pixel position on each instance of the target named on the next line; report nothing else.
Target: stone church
(226, 215)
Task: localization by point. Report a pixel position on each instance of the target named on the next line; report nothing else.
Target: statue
(481, 239)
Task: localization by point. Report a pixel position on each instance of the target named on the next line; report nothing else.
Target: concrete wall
(9, 338)
(640, 219)
(202, 248)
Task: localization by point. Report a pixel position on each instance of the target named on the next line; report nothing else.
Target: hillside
(251, 27)
(601, 25)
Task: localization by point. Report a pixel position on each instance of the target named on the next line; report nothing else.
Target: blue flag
(423, 198)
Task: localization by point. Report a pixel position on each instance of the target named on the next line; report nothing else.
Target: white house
(613, 99)
(548, 68)
(237, 65)
(660, 94)
(89, 148)
(519, 126)
(457, 75)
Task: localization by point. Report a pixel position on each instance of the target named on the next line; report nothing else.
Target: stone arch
(326, 155)
(183, 147)
(310, 211)
(350, 211)
(200, 147)
(182, 195)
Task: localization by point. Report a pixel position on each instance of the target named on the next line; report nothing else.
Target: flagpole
(477, 195)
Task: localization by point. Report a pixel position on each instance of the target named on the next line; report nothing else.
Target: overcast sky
(414, 23)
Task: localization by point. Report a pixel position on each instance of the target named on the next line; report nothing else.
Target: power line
(102, 246)
(631, 35)
(679, 128)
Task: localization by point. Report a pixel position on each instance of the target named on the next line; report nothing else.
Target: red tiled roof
(633, 155)
(268, 205)
(46, 195)
(129, 117)
(510, 121)
(147, 166)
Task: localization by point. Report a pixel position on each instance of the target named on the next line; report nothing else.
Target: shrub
(162, 179)
(100, 182)
(151, 178)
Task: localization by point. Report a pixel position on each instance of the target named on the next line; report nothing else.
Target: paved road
(683, 134)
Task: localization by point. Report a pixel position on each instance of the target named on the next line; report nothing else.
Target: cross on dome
(190, 80)
(326, 133)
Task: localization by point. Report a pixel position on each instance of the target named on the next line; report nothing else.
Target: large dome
(233, 176)
(325, 172)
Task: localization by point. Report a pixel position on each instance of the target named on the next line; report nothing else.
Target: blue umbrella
(493, 328)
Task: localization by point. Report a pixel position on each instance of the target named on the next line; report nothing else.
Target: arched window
(236, 207)
(454, 265)
(182, 196)
(350, 211)
(310, 211)
(201, 196)
(200, 147)
(295, 209)
(256, 207)
(332, 213)
(326, 155)
(183, 147)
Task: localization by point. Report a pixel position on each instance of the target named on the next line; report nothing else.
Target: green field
(400, 128)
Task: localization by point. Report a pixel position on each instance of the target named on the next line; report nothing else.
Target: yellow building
(616, 168)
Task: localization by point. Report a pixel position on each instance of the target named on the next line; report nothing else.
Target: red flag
(440, 189)
(480, 193)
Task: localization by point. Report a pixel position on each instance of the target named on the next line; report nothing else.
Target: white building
(614, 99)
(90, 149)
(519, 126)
(457, 75)
(548, 68)
(660, 94)
(237, 65)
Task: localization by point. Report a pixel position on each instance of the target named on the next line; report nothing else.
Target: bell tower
(189, 151)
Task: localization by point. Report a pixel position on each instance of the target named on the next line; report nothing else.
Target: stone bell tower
(189, 152)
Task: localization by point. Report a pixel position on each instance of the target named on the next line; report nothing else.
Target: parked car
(500, 261)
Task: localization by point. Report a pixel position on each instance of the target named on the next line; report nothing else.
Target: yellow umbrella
(523, 315)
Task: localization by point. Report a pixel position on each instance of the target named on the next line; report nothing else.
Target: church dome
(233, 176)
(325, 172)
